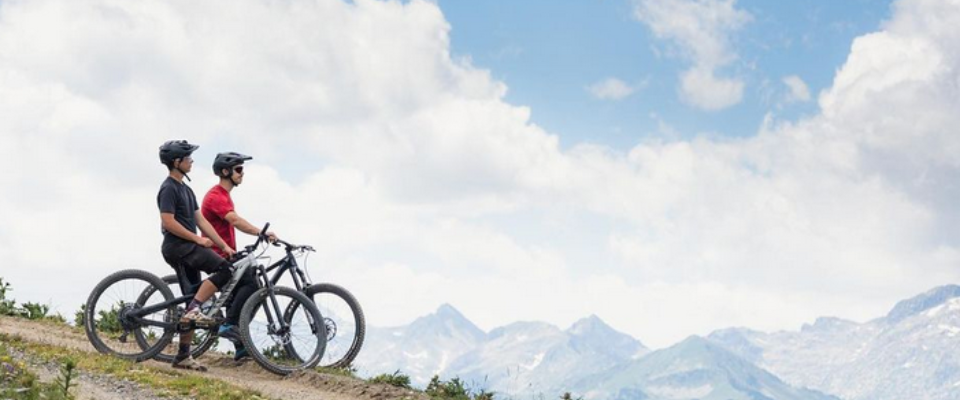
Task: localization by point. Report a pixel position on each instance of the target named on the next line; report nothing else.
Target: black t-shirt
(178, 199)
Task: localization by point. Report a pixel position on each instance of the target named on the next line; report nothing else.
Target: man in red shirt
(218, 209)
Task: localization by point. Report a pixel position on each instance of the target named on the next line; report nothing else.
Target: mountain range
(912, 352)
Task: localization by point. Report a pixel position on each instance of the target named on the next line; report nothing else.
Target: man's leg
(206, 260)
(183, 359)
(230, 330)
(245, 288)
(206, 291)
(200, 259)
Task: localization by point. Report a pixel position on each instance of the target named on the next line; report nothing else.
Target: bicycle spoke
(290, 341)
(340, 324)
(112, 326)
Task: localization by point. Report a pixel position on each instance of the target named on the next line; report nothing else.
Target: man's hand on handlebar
(272, 237)
(228, 251)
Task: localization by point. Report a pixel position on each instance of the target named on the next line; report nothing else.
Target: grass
(163, 381)
(18, 383)
(395, 379)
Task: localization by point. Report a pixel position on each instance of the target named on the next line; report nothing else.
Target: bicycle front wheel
(111, 315)
(282, 344)
(343, 320)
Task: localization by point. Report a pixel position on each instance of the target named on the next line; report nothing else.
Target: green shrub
(79, 316)
(66, 375)
(454, 389)
(275, 352)
(57, 318)
(110, 320)
(396, 379)
(7, 306)
(34, 311)
(483, 395)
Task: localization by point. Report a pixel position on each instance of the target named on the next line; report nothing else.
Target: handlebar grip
(265, 227)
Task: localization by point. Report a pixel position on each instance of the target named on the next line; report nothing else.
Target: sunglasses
(238, 170)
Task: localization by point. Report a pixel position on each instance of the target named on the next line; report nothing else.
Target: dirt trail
(308, 385)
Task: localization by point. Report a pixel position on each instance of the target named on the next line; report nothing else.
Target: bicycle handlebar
(250, 248)
(263, 236)
(292, 247)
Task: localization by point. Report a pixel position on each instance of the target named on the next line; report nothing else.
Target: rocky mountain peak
(922, 302)
(589, 325)
(446, 321)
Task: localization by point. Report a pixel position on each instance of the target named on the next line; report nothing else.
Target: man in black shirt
(180, 217)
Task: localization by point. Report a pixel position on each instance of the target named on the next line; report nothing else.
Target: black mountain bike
(133, 314)
(343, 317)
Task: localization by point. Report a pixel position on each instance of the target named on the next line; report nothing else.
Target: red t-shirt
(216, 205)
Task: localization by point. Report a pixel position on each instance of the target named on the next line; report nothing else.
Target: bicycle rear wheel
(203, 339)
(343, 320)
(107, 320)
(282, 350)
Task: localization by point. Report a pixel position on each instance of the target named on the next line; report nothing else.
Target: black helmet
(174, 149)
(228, 161)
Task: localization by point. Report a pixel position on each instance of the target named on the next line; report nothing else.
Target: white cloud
(701, 30)
(798, 89)
(701, 88)
(611, 89)
(416, 181)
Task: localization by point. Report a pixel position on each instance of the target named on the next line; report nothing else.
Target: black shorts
(195, 258)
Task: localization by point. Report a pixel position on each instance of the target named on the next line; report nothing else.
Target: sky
(671, 166)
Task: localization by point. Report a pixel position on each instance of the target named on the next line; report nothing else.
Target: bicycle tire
(102, 324)
(333, 356)
(311, 330)
(203, 339)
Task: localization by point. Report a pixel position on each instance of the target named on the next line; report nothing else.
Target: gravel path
(308, 385)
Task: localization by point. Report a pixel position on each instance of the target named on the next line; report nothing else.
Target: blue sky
(548, 53)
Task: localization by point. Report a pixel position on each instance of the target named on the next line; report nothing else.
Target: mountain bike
(343, 318)
(133, 314)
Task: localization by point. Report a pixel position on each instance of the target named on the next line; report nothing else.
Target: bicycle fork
(269, 311)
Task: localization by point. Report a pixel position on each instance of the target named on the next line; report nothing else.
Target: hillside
(45, 338)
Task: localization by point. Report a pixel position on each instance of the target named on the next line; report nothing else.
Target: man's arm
(170, 224)
(238, 222)
(211, 233)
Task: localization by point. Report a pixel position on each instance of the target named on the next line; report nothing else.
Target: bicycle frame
(241, 268)
(289, 262)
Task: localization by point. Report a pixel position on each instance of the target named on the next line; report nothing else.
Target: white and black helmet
(228, 161)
